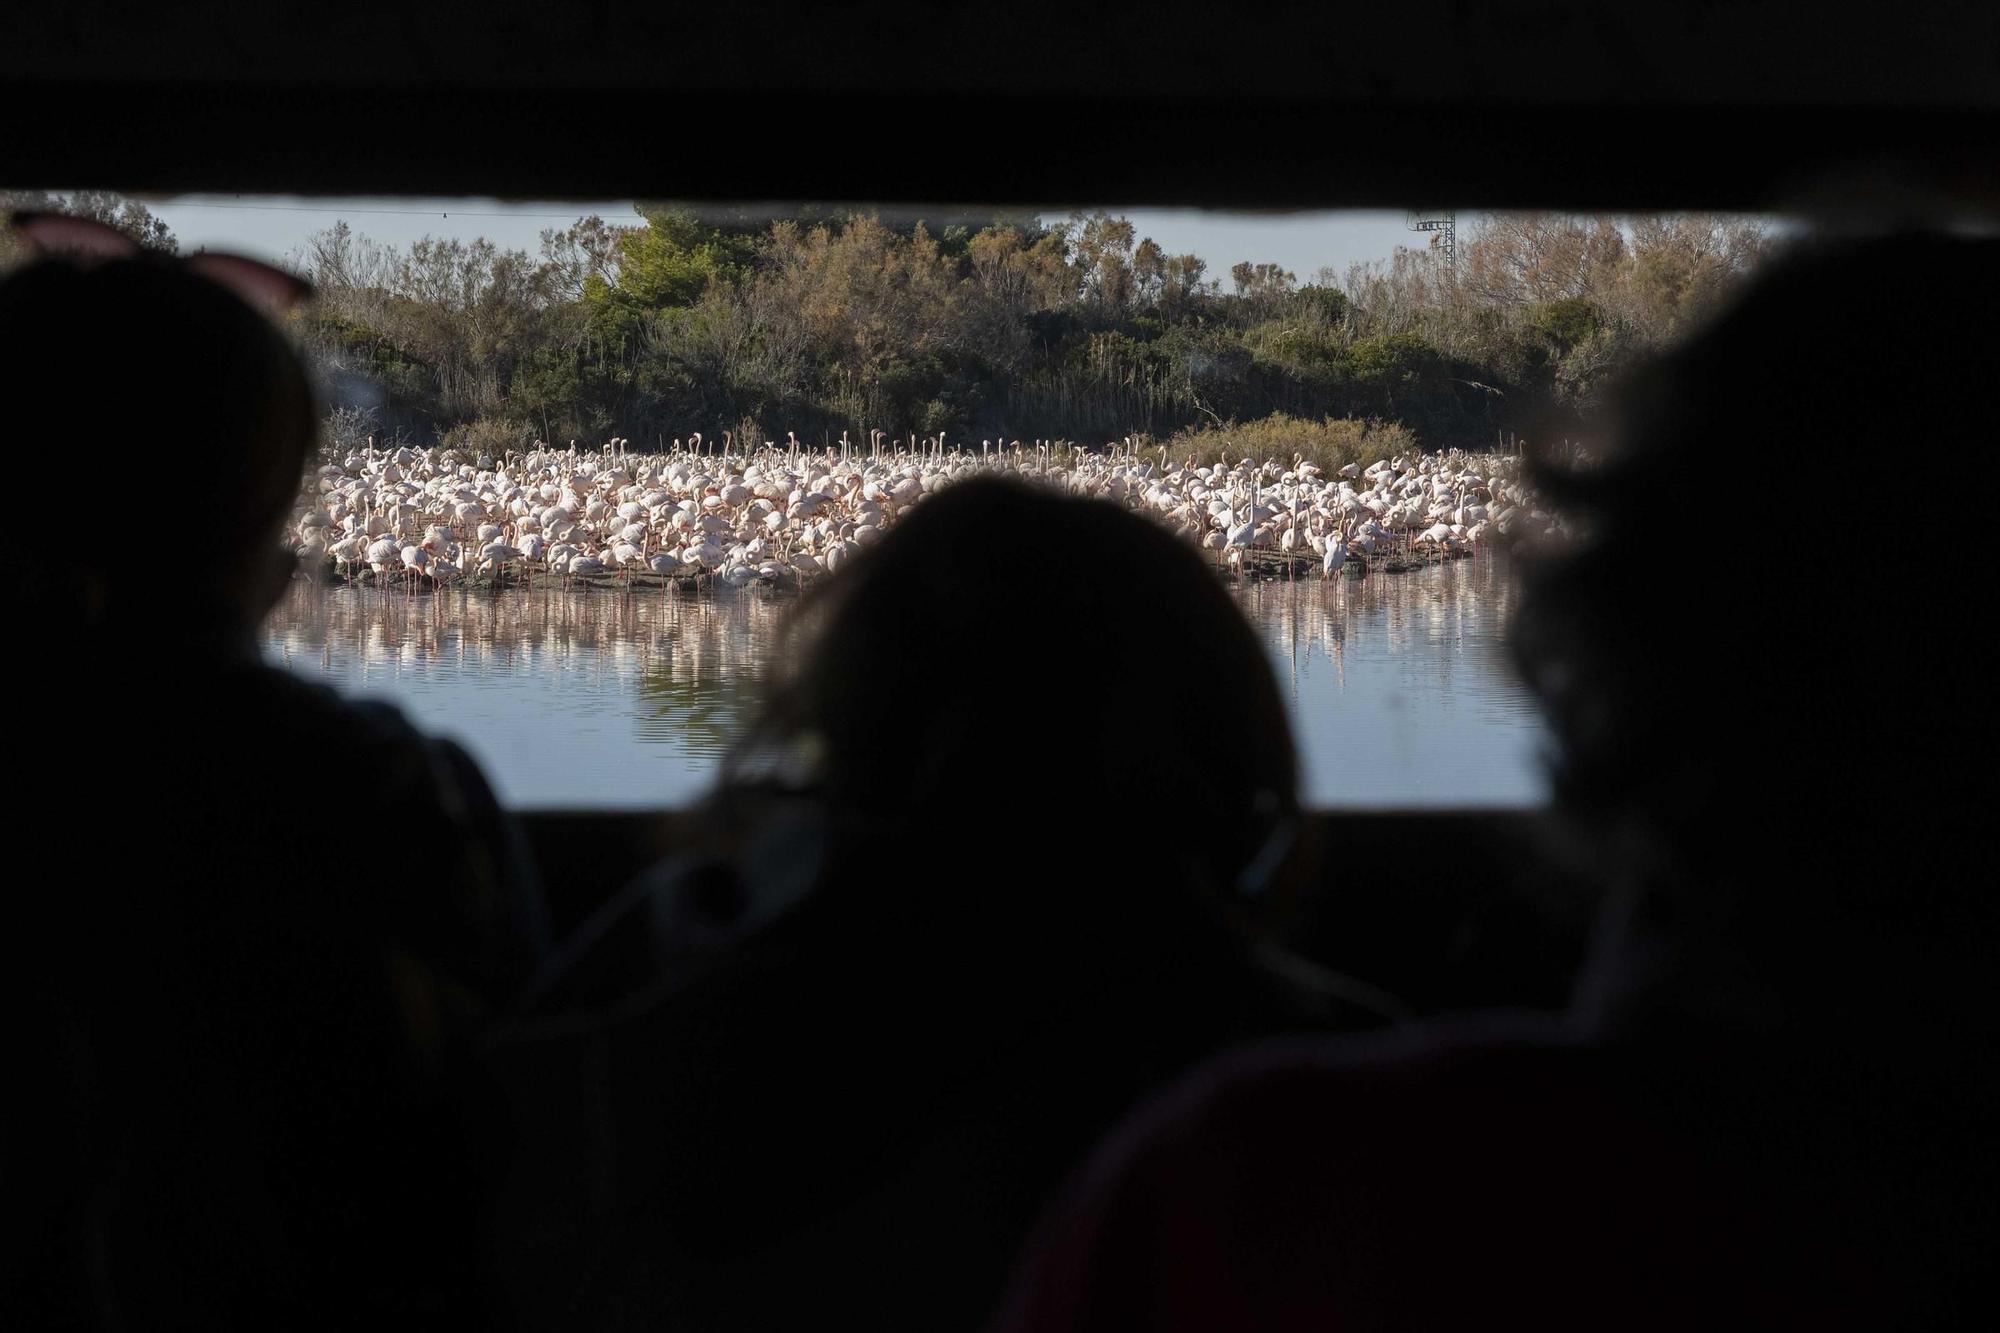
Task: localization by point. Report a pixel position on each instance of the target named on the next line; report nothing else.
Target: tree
(672, 259)
(1320, 308)
(1016, 277)
(1181, 283)
(1681, 266)
(340, 263)
(114, 210)
(1101, 249)
(1019, 272)
(1149, 272)
(584, 260)
(835, 319)
(1261, 287)
(1516, 259)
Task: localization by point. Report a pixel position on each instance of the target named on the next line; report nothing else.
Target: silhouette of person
(989, 862)
(1773, 1096)
(248, 981)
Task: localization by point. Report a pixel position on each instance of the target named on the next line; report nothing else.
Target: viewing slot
(580, 463)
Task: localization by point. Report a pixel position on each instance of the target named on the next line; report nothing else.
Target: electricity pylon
(1443, 227)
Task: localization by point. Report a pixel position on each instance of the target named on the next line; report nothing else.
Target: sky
(271, 226)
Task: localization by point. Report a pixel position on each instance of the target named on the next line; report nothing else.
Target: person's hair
(187, 407)
(1755, 655)
(1011, 670)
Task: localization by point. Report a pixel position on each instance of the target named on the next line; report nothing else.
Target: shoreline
(1258, 566)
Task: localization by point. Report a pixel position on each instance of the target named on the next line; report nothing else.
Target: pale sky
(271, 226)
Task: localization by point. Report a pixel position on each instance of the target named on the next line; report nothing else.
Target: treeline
(827, 320)
(115, 210)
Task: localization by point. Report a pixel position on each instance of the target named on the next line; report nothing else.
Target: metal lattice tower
(1443, 227)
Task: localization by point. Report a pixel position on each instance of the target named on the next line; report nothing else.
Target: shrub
(492, 436)
(348, 428)
(1331, 443)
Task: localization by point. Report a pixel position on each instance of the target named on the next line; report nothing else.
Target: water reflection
(567, 699)
(1399, 688)
(1398, 691)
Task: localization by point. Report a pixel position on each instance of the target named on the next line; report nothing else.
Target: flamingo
(802, 512)
(416, 561)
(1336, 554)
(380, 553)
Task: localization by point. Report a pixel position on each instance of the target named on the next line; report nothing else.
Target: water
(1397, 690)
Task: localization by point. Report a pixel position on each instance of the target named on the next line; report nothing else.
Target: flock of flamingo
(784, 514)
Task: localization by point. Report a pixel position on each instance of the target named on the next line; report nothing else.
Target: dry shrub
(489, 436)
(1330, 443)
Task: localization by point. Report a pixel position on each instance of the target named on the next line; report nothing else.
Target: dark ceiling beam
(351, 138)
(710, 60)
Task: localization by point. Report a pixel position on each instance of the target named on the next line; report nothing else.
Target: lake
(1398, 690)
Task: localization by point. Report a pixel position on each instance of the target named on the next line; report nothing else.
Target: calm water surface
(1398, 693)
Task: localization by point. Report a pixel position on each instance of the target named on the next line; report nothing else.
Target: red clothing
(1476, 1175)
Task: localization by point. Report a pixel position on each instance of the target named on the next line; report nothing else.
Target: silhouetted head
(1017, 678)
(173, 421)
(1760, 659)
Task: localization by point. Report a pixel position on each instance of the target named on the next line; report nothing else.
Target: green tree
(674, 258)
(1567, 322)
